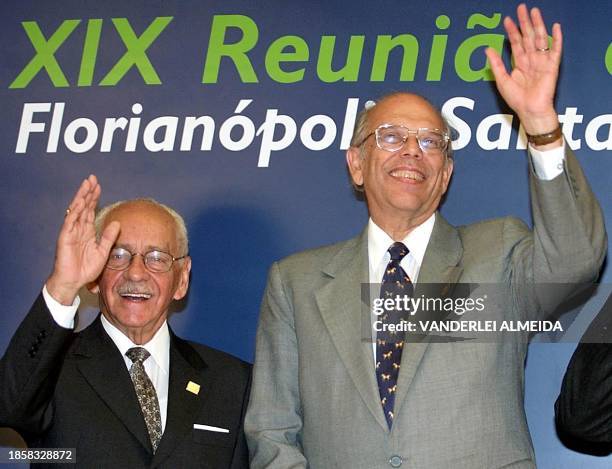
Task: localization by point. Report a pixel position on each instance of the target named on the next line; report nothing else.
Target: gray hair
(182, 239)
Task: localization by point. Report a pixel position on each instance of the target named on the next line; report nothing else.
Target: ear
(447, 172)
(354, 161)
(183, 282)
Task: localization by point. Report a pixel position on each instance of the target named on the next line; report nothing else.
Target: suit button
(395, 461)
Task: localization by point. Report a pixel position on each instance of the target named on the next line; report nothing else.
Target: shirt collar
(158, 346)
(416, 241)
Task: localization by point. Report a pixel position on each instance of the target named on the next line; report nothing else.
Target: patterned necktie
(147, 397)
(389, 345)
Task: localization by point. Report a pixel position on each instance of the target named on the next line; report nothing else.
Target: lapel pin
(193, 388)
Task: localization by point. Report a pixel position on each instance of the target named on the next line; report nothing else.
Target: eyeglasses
(155, 261)
(391, 137)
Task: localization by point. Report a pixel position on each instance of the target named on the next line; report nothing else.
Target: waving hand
(79, 256)
(529, 89)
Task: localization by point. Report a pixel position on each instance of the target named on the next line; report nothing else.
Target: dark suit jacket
(61, 389)
(583, 411)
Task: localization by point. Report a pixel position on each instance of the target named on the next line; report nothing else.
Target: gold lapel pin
(193, 388)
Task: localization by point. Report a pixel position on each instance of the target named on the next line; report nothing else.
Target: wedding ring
(542, 49)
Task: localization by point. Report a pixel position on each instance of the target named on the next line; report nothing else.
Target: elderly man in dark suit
(126, 391)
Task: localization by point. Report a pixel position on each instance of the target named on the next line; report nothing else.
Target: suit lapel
(104, 369)
(438, 275)
(343, 312)
(186, 366)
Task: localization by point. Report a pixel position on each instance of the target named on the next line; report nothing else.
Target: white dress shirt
(157, 366)
(546, 164)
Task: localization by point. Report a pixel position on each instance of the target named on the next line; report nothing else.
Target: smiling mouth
(138, 297)
(408, 174)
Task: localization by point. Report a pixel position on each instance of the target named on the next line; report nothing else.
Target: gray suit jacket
(315, 401)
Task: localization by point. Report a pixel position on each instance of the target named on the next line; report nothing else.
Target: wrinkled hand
(530, 88)
(79, 257)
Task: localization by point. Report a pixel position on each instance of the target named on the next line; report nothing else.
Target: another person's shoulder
(315, 258)
(217, 359)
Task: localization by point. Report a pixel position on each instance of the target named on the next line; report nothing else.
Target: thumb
(109, 236)
(497, 65)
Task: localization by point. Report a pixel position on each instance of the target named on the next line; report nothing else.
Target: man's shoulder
(214, 358)
(316, 257)
(491, 239)
(494, 227)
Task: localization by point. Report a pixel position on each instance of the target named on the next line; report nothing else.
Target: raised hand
(79, 257)
(530, 87)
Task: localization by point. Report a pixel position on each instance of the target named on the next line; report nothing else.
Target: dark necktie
(389, 345)
(147, 397)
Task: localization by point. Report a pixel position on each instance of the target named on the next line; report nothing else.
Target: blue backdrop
(237, 114)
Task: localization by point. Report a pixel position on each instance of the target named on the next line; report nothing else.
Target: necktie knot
(398, 251)
(138, 354)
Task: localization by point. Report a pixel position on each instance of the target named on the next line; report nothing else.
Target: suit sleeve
(240, 460)
(584, 407)
(29, 370)
(583, 411)
(273, 422)
(566, 247)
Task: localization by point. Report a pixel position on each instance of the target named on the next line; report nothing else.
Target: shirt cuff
(548, 164)
(62, 315)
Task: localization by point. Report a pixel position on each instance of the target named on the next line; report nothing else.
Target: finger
(527, 32)
(557, 40)
(72, 216)
(91, 200)
(84, 216)
(81, 193)
(541, 35)
(109, 236)
(515, 38)
(93, 203)
(95, 189)
(82, 196)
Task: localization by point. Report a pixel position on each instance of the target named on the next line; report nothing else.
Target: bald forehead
(407, 106)
(141, 207)
(144, 214)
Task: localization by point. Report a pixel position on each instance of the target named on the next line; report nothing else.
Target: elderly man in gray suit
(319, 397)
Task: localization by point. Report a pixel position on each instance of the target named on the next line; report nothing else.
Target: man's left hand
(530, 88)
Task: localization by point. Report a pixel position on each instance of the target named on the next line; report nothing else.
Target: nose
(411, 147)
(136, 270)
